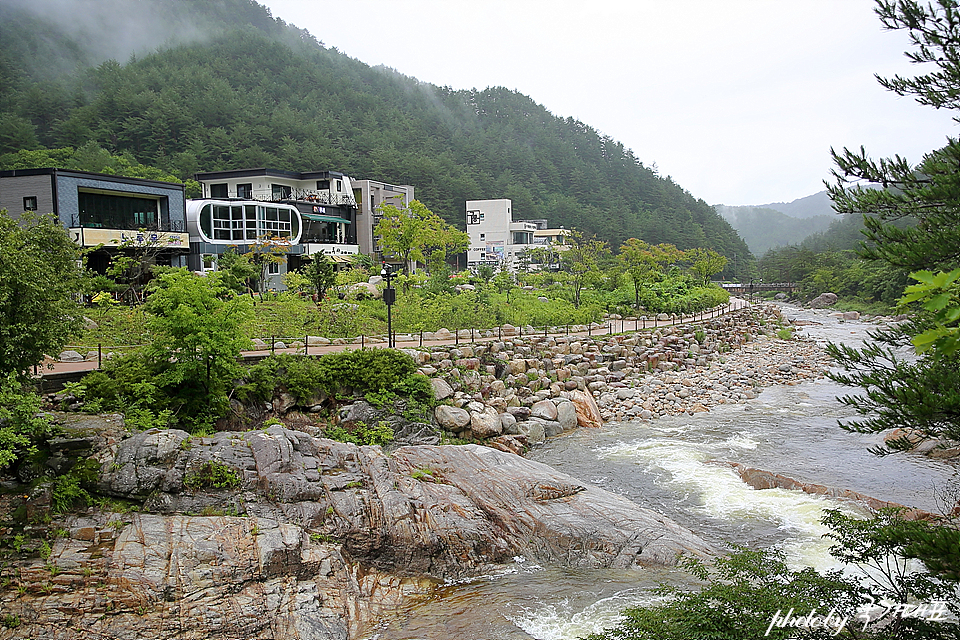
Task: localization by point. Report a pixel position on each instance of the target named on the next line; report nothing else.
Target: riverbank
(522, 386)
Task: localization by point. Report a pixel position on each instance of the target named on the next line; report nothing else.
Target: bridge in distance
(753, 287)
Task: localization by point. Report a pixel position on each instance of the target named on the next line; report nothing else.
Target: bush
(365, 370)
(21, 424)
(378, 434)
(212, 475)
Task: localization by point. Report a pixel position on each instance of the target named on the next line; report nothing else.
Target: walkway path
(53, 368)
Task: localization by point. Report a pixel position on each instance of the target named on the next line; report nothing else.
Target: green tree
(322, 274)
(40, 277)
(196, 326)
(582, 261)
(912, 221)
(237, 271)
(644, 263)
(417, 234)
(21, 421)
(704, 262)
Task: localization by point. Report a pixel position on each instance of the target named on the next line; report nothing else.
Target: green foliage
(582, 261)
(212, 475)
(237, 271)
(195, 324)
(365, 370)
(704, 262)
(417, 234)
(745, 592)
(742, 594)
(377, 373)
(939, 294)
(141, 419)
(362, 434)
(39, 278)
(68, 494)
(322, 274)
(123, 383)
(21, 424)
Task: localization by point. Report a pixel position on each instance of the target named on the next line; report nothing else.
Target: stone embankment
(536, 387)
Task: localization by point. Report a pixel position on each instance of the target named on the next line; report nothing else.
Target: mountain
(769, 226)
(817, 205)
(222, 84)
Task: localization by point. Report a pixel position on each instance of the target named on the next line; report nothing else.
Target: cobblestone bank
(507, 386)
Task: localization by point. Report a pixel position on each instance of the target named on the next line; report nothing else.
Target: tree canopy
(40, 277)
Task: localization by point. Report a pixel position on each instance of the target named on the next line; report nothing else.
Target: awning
(313, 217)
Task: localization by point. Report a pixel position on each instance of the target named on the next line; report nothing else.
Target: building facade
(370, 194)
(109, 213)
(495, 239)
(307, 213)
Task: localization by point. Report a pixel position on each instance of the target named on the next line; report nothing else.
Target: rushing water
(671, 465)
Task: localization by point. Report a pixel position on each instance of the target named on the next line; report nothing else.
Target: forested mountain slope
(237, 88)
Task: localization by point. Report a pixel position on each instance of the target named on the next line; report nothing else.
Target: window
(118, 212)
(245, 223)
(30, 203)
(273, 268)
(280, 191)
(245, 191)
(218, 190)
(483, 236)
(323, 185)
(339, 185)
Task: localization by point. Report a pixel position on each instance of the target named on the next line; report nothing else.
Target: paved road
(53, 368)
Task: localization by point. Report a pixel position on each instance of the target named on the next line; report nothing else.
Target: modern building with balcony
(109, 214)
(495, 239)
(325, 200)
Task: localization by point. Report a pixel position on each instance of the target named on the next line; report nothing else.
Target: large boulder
(567, 415)
(544, 409)
(452, 418)
(824, 300)
(486, 423)
(441, 388)
(588, 413)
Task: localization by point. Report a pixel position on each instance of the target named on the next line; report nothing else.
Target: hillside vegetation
(255, 92)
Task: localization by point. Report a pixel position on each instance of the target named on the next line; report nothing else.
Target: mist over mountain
(818, 204)
(205, 85)
(780, 224)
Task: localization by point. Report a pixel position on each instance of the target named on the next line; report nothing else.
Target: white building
(495, 239)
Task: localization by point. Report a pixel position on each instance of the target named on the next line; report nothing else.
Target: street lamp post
(389, 297)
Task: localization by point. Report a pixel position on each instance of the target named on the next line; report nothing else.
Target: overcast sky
(738, 100)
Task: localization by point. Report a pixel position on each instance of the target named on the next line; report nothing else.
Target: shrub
(365, 370)
(378, 434)
(212, 475)
(20, 421)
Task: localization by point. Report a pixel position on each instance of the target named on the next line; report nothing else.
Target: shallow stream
(671, 465)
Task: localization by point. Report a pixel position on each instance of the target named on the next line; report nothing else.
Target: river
(670, 465)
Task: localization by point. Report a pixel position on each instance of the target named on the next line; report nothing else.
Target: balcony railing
(300, 195)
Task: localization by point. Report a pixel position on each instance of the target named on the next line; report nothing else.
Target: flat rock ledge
(315, 540)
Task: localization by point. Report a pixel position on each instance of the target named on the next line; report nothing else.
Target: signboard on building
(92, 237)
(494, 251)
